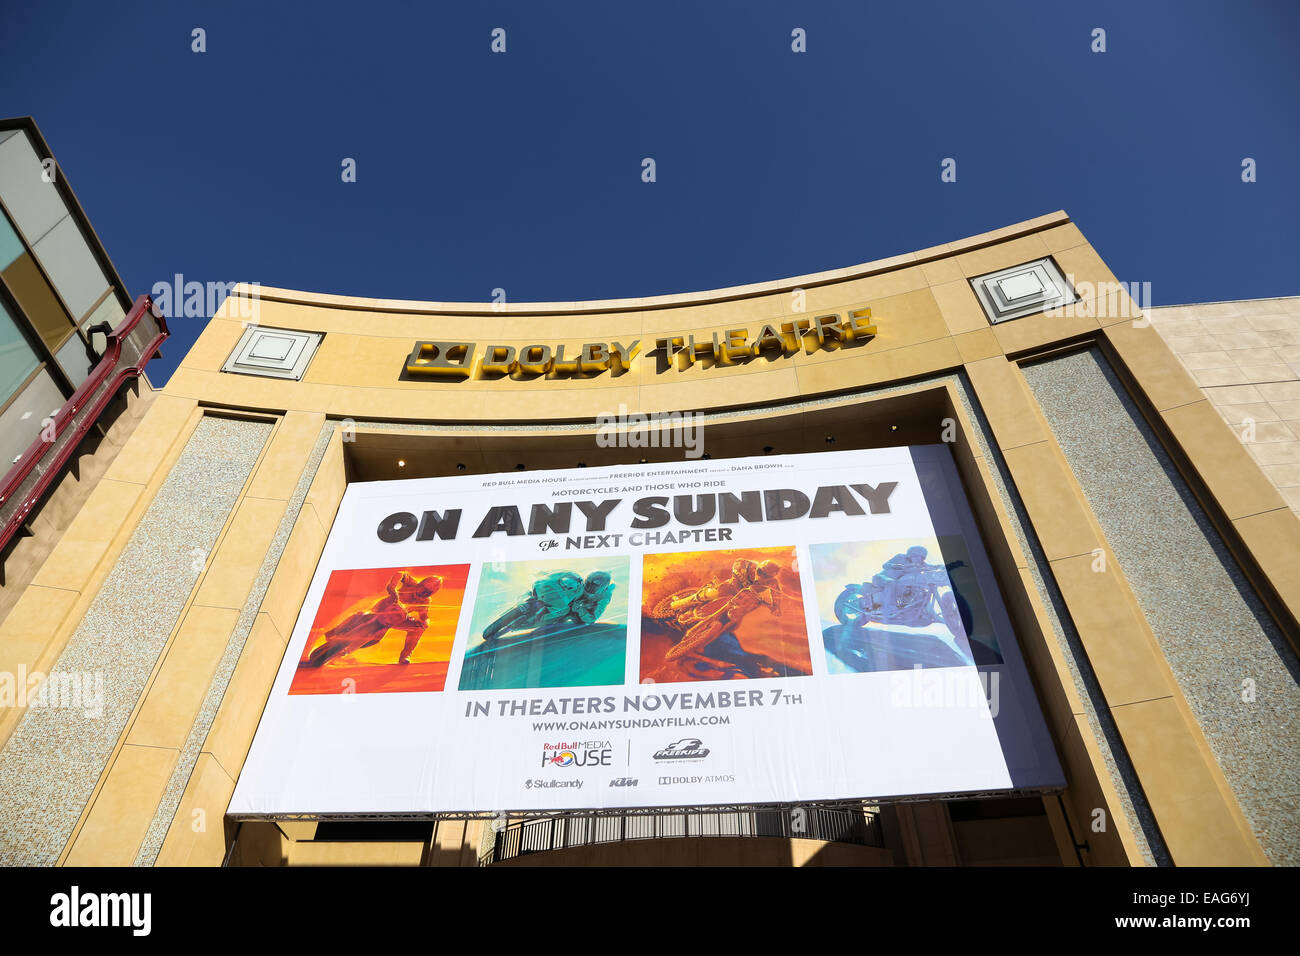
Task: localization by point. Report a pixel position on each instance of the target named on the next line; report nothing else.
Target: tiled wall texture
(53, 761)
(190, 751)
(1246, 358)
(1213, 630)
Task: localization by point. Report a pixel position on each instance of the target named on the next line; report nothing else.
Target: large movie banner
(764, 630)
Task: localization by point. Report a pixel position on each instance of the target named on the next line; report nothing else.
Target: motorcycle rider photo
(382, 630)
(548, 624)
(908, 612)
(723, 616)
(405, 608)
(558, 598)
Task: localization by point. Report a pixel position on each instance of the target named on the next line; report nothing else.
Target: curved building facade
(1146, 562)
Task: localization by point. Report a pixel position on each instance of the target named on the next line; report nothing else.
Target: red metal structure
(130, 346)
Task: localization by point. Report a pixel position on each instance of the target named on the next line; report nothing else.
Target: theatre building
(245, 584)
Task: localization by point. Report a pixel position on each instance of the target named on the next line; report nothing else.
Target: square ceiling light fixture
(274, 353)
(1023, 290)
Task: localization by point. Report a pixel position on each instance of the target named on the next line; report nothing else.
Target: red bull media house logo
(591, 753)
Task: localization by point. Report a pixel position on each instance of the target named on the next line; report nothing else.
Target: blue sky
(522, 170)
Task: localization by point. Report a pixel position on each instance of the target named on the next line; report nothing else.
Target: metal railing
(856, 826)
(129, 348)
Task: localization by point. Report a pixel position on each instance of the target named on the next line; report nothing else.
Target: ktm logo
(624, 782)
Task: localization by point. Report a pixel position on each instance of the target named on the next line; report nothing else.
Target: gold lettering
(623, 354)
(768, 338)
(561, 364)
(860, 325)
(828, 328)
(450, 359)
(671, 344)
(535, 359)
(499, 359)
(711, 347)
(736, 345)
(595, 357)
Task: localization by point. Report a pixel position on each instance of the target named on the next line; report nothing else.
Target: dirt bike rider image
(405, 607)
(708, 616)
(558, 598)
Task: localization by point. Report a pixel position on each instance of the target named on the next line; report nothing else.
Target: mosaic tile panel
(53, 760)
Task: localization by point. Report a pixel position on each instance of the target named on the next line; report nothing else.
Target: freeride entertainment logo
(692, 748)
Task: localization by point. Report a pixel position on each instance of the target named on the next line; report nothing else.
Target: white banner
(786, 629)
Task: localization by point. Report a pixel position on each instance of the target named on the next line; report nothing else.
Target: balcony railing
(130, 347)
(858, 826)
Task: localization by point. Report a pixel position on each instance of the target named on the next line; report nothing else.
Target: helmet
(769, 569)
(744, 569)
(916, 554)
(596, 581)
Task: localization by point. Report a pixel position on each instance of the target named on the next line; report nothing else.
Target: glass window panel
(21, 422)
(36, 301)
(17, 358)
(72, 267)
(11, 247)
(110, 311)
(76, 362)
(35, 204)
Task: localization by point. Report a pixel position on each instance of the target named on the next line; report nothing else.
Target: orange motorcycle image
(706, 618)
(404, 607)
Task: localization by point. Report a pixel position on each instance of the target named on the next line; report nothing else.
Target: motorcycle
(523, 617)
(921, 598)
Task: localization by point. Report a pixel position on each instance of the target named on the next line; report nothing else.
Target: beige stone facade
(1153, 775)
(1245, 355)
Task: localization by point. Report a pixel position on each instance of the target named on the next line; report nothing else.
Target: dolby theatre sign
(462, 359)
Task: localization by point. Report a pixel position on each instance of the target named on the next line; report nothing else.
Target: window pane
(36, 301)
(71, 266)
(21, 422)
(76, 363)
(110, 311)
(17, 359)
(11, 247)
(35, 204)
